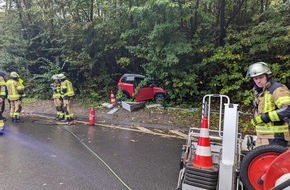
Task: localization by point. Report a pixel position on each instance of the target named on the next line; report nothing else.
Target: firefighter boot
(64, 120)
(17, 119)
(1, 125)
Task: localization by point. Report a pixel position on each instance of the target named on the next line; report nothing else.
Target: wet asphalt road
(41, 155)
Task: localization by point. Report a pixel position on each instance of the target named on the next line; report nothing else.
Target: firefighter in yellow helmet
(272, 106)
(15, 89)
(67, 94)
(3, 96)
(57, 99)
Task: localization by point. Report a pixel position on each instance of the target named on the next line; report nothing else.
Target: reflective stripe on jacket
(57, 91)
(2, 88)
(270, 103)
(67, 88)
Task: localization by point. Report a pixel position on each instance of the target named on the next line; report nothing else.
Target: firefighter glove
(66, 97)
(263, 118)
(21, 92)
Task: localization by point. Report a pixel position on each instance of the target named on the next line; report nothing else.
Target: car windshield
(130, 78)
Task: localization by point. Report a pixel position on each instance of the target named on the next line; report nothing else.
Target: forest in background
(192, 47)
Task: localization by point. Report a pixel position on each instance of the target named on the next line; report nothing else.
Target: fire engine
(224, 159)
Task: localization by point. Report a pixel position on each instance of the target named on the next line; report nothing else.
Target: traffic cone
(203, 157)
(113, 99)
(92, 117)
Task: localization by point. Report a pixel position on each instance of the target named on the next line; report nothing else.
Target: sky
(2, 4)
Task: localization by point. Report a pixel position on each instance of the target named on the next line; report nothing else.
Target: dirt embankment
(146, 117)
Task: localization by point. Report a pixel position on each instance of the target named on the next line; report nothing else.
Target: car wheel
(159, 97)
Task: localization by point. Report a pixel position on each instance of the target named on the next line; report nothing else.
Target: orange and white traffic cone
(203, 157)
(113, 99)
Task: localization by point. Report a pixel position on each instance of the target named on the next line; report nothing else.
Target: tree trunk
(222, 23)
(195, 21)
(92, 11)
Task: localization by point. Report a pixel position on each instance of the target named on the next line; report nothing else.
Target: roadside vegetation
(191, 47)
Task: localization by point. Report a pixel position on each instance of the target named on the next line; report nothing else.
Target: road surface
(41, 154)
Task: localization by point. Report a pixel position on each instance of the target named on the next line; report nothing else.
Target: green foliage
(119, 95)
(124, 61)
(162, 46)
(176, 42)
(143, 83)
(95, 97)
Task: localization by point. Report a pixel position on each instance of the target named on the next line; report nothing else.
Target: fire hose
(96, 155)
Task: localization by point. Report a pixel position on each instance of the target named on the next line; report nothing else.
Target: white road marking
(179, 133)
(159, 131)
(145, 130)
(137, 128)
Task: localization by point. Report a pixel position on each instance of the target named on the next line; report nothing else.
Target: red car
(128, 83)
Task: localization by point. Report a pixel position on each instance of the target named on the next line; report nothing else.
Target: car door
(128, 85)
(144, 93)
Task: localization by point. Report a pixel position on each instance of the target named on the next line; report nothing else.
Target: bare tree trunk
(27, 6)
(262, 6)
(92, 11)
(195, 21)
(131, 17)
(222, 23)
(20, 13)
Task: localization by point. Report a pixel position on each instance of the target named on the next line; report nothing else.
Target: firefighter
(15, 90)
(67, 93)
(3, 95)
(57, 99)
(272, 106)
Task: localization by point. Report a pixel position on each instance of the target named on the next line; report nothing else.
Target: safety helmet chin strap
(269, 77)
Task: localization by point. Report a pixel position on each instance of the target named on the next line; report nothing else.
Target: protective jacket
(56, 90)
(3, 89)
(67, 88)
(14, 89)
(273, 99)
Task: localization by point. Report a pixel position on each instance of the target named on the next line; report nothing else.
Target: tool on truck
(224, 159)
